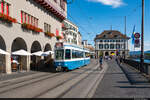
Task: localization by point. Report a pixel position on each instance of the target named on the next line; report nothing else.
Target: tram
(70, 57)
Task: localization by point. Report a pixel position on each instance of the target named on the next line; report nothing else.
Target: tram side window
(76, 54)
(73, 54)
(67, 54)
(81, 55)
(87, 55)
(59, 54)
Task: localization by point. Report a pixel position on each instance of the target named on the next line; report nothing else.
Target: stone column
(8, 64)
(28, 63)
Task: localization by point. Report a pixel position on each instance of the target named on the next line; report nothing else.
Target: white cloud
(113, 3)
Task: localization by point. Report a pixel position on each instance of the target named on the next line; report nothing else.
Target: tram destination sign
(59, 45)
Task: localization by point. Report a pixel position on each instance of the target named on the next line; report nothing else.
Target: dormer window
(104, 36)
(109, 33)
(115, 36)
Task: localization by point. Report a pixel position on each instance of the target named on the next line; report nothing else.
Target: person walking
(101, 62)
(121, 60)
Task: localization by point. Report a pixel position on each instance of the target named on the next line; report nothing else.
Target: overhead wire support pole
(125, 39)
(142, 38)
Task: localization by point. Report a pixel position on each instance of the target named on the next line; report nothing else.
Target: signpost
(137, 40)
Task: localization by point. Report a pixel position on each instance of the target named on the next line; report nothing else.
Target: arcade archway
(2, 57)
(48, 61)
(106, 53)
(35, 60)
(19, 44)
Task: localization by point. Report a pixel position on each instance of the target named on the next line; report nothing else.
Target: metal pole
(125, 39)
(111, 27)
(142, 38)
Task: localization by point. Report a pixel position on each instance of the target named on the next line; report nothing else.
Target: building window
(4, 7)
(106, 46)
(117, 46)
(62, 4)
(57, 32)
(100, 46)
(101, 40)
(115, 36)
(47, 27)
(113, 40)
(104, 36)
(28, 19)
(112, 46)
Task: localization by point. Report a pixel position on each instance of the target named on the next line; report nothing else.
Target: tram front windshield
(59, 54)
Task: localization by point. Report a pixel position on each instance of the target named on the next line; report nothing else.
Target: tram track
(65, 92)
(28, 83)
(33, 80)
(4, 84)
(62, 83)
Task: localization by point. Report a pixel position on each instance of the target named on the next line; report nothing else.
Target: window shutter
(21, 17)
(2, 7)
(7, 7)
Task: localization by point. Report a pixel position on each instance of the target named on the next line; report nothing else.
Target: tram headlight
(59, 64)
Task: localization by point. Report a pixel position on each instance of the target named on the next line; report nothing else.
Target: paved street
(113, 81)
(122, 82)
(47, 85)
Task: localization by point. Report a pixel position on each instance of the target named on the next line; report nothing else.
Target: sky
(94, 16)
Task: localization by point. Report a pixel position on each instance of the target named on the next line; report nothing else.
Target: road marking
(97, 82)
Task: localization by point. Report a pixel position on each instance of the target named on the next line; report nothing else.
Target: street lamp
(142, 38)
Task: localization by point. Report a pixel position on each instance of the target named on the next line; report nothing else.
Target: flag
(132, 36)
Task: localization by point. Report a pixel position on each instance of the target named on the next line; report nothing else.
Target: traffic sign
(137, 43)
(137, 35)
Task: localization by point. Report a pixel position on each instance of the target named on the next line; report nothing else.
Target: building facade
(79, 38)
(71, 33)
(32, 25)
(111, 42)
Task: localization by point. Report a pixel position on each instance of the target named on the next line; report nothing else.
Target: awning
(4, 52)
(47, 53)
(21, 53)
(39, 53)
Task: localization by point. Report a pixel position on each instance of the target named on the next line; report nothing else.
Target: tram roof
(76, 46)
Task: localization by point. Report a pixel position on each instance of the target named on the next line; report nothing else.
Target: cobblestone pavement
(122, 82)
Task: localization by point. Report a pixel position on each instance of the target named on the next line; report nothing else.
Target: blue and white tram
(70, 57)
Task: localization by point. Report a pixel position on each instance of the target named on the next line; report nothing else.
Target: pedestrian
(101, 62)
(120, 60)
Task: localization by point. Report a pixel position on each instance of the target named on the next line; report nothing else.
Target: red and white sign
(137, 43)
(137, 35)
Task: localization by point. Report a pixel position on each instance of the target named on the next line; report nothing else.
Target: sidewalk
(4, 77)
(122, 82)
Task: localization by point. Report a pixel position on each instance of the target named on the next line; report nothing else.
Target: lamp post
(142, 38)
